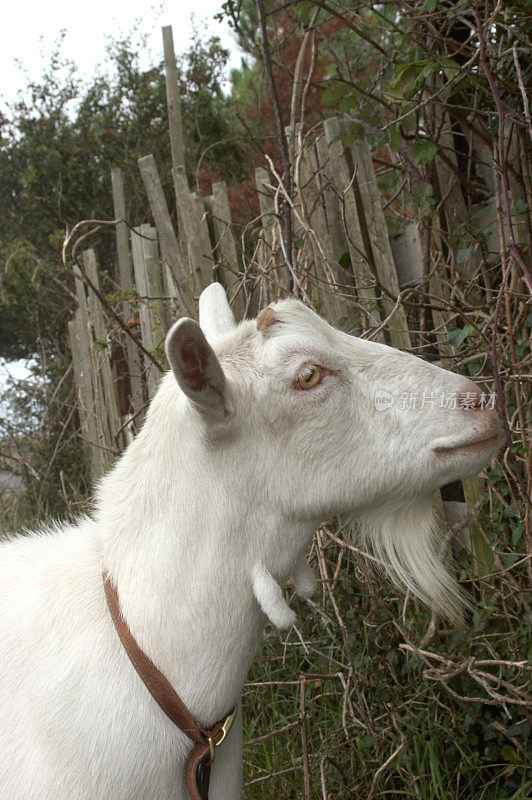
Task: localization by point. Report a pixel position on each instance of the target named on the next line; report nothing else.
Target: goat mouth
(482, 445)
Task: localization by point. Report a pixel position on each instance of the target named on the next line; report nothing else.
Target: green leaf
(461, 5)
(302, 10)
(410, 123)
(517, 534)
(457, 336)
(425, 201)
(449, 65)
(425, 150)
(473, 368)
(519, 207)
(345, 260)
(429, 6)
(405, 79)
(509, 511)
(351, 137)
(429, 69)
(464, 253)
(510, 754)
(347, 102)
(396, 140)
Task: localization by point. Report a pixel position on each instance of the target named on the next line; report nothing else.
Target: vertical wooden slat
(454, 208)
(102, 354)
(125, 276)
(196, 232)
(90, 365)
(146, 322)
(161, 317)
(334, 285)
(173, 99)
(83, 382)
(379, 238)
(342, 185)
(482, 557)
(331, 201)
(269, 251)
(167, 238)
(226, 253)
(204, 236)
(302, 254)
(81, 345)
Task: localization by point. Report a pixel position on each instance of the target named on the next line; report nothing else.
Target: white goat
(248, 445)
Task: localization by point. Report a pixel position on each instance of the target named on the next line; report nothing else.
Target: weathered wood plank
(205, 242)
(366, 181)
(102, 355)
(309, 263)
(341, 182)
(196, 233)
(269, 253)
(83, 382)
(88, 393)
(226, 253)
(167, 237)
(331, 201)
(454, 208)
(84, 332)
(161, 315)
(173, 99)
(125, 278)
(483, 561)
(147, 324)
(334, 286)
(440, 289)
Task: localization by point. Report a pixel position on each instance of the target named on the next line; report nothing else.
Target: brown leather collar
(200, 758)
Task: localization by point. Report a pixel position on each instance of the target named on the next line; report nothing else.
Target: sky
(30, 30)
(15, 370)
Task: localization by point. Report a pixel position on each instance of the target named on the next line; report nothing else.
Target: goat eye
(309, 377)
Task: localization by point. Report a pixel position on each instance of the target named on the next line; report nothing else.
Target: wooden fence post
(91, 391)
(381, 250)
(331, 201)
(102, 354)
(335, 286)
(341, 181)
(269, 248)
(125, 277)
(82, 377)
(453, 207)
(167, 237)
(225, 252)
(148, 325)
(86, 345)
(194, 232)
(162, 318)
(173, 99)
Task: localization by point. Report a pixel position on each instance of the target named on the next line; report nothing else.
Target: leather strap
(197, 767)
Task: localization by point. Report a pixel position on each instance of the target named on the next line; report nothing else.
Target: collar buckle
(225, 727)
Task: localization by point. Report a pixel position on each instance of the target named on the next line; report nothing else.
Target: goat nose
(470, 398)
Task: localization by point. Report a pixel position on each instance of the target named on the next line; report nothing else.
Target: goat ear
(215, 315)
(196, 367)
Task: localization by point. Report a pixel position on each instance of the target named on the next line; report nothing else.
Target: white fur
(200, 523)
(215, 315)
(270, 598)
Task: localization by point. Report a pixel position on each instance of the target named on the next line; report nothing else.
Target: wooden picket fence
(341, 242)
